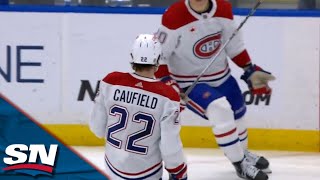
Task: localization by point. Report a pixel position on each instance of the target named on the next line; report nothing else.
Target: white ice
(211, 164)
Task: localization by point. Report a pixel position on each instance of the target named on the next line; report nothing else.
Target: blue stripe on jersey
(244, 138)
(229, 144)
(141, 178)
(186, 178)
(201, 81)
(196, 111)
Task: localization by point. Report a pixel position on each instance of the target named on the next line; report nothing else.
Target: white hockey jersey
(190, 40)
(140, 119)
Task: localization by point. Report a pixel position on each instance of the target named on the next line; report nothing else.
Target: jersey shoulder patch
(176, 16)
(224, 9)
(114, 77)
(167, 91)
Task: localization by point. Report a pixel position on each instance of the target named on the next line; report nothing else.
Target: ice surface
(211, 164)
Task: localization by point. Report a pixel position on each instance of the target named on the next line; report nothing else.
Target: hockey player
(192, 32)
(141, 117)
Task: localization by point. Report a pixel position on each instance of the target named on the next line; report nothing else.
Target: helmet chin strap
(156, 68)
(157, 64)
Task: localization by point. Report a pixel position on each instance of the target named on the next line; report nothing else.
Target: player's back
(135, 107)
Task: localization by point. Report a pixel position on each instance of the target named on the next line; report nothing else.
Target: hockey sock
(243, 132)
(228, 140)
(220, 114)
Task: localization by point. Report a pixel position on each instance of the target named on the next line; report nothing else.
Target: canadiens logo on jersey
(207, 46)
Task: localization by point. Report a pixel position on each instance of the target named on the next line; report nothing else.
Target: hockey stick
(253, 10)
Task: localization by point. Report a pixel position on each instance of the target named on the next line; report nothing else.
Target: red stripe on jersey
(242, 59)
(162, 71)
(176, 169)
(157, 87)
(193, 104)
(182, 173)
(224, 9)
(214, 74)
(133, 174)
(243, 132)
(177, 16)
(225, 134)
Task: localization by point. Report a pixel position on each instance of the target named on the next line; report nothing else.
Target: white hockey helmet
(146, 49)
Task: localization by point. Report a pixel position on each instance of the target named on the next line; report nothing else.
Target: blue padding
(203, 95)
(230, 89)
(149, 10)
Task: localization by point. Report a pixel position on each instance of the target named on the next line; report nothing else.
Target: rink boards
(202, 137)
(51, 63)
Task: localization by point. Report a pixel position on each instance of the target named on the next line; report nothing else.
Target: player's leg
(259, 161)
(212, 105)
(231, 90)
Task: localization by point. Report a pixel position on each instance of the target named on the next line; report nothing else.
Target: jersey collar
(143, 78)
(203, 15)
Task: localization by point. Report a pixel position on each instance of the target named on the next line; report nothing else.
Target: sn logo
(19, 160)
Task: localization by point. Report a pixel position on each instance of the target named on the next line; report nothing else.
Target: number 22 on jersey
(132, 139)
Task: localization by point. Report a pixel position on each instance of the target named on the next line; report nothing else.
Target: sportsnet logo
(20, 161)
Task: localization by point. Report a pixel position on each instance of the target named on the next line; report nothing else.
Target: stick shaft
(253, 10)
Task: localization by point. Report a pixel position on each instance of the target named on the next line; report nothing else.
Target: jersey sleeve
(236, 48)
(98, 120)
(169, 41)
(170, 144)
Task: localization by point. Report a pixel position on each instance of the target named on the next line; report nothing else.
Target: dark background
(273, 4)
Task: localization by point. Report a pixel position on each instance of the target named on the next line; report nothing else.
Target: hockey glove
(179, 173)
(171, 82)
(257, 79)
